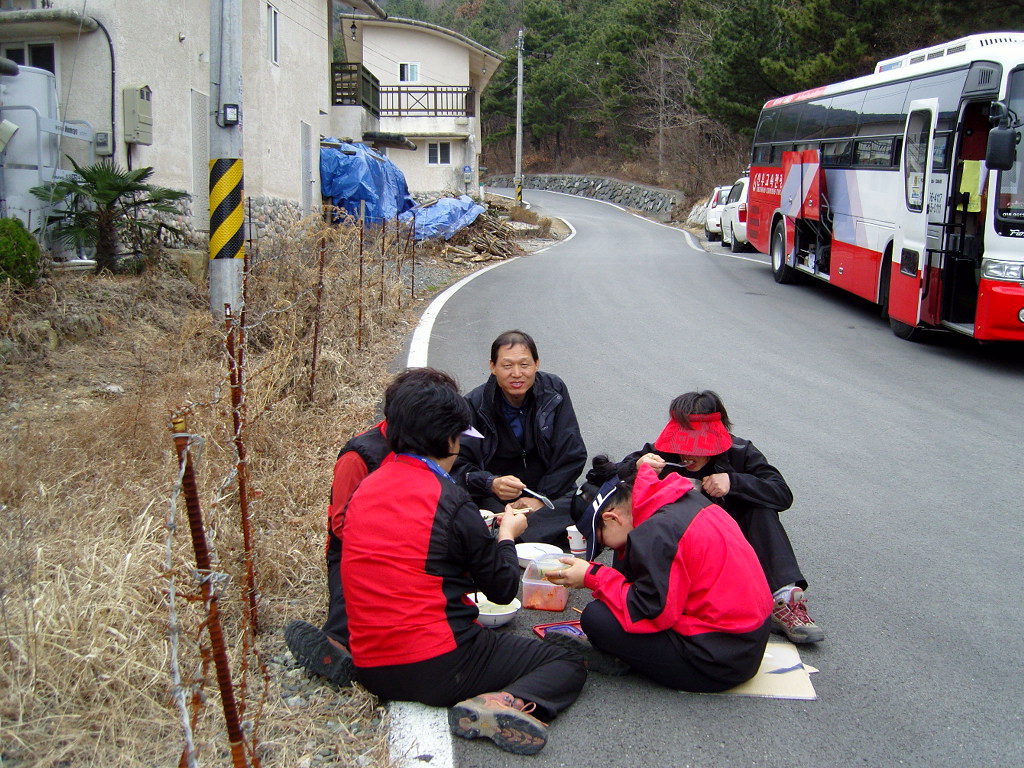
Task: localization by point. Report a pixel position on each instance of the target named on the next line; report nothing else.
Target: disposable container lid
(541, 566)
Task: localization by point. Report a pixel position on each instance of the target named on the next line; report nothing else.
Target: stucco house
(430, 82)
(132, 81)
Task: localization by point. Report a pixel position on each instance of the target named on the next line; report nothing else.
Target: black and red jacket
(687, 567)
(413, 546)
(356, 459)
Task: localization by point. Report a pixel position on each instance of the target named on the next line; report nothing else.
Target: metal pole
(227, 251)
(519, 121)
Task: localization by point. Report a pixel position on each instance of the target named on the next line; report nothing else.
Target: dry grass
(87, 478)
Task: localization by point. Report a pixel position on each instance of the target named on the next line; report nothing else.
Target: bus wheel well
(883, 281)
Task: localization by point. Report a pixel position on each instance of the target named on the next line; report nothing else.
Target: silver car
(713, 216)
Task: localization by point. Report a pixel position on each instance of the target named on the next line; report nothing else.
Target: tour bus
(904, 187)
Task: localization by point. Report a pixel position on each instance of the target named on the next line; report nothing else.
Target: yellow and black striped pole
(227, 239)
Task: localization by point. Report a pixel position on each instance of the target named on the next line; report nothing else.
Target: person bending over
(413, 546)
(324, 650)
(531, 440)
(696, 443)
(686, 605)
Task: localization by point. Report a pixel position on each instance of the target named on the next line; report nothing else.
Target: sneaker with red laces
(789, 617)
(503, 719)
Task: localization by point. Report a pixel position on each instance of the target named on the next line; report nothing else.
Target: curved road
(905, 460)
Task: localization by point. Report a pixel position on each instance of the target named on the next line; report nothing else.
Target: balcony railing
(354, 85)
(427, 101)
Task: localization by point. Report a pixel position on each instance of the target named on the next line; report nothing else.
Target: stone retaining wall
(657, 203)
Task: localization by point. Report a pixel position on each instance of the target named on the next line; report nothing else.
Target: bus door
(910, 263)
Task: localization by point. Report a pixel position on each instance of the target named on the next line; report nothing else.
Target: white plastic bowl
(531, 550)
(492, 614)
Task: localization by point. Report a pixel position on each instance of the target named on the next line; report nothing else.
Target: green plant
(104, 205)
(19, 253)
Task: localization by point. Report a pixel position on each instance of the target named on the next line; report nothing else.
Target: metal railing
(354, 85)
(428, 101)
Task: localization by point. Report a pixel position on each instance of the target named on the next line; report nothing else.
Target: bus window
(842, 116)
(883, 110)
(777, 150)
(940, 152)
(762, 155)
(766, 127)
(944, 86)
(789, 120)
(812, 122)
(1010, 203)
(835, 154)
(874, 153)
(918, 130)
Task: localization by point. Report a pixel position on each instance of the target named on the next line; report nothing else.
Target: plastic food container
(539, 593)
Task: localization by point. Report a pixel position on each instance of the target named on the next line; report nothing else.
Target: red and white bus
(904, 187)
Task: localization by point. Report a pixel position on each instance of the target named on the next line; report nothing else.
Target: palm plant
(103, 205)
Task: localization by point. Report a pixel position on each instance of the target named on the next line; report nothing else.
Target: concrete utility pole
(227, 254)
(519, 121)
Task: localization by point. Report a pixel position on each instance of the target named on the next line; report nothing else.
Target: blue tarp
(443, 218)
(353, 172)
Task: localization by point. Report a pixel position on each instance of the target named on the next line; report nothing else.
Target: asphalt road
(905, 460)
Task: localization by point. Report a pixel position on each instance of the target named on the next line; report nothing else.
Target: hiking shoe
(313, 650)
(596, 660)
(789, 617)
(503, 719)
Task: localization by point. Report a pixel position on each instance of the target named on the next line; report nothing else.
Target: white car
(734, 217)
(713, 215)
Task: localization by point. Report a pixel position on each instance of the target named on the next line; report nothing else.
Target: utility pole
(661, 117)
(227, 254)
(519, 121)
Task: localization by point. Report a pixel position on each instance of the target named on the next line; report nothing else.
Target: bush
(19, 253)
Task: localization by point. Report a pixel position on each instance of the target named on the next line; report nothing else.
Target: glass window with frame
(812, 121)
(34, 54)
(273, 21)
(788, 122)
(882, 112)
(766, 127)
(919, 126)
(408, 72)
(874, 153)
(439, 153)
(1010, 199)
(836, 154)
(843, 113)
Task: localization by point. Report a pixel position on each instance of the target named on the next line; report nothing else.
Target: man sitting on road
(531, 442)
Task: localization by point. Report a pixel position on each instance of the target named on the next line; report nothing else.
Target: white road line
(420, 344)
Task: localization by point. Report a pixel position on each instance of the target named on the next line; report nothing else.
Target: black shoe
(597, 660)
(311, 648)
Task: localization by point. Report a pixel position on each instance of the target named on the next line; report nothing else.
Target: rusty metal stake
(202, 552)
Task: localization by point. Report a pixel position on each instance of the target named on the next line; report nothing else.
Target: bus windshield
(1010, 203)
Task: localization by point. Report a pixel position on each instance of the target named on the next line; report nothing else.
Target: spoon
(541, 497)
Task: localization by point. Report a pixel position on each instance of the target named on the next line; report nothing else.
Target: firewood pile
(488, 238)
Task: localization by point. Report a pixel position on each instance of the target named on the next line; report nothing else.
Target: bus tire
(783, 273)
(904, 331)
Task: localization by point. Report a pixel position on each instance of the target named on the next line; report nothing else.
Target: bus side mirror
(1002, 149)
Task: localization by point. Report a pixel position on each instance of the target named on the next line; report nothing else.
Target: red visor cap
(705, 437)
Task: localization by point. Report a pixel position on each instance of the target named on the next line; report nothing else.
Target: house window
(408, 72)
(272, 23)
(439, 153)
(41, 55)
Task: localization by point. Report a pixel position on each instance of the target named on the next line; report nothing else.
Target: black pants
(337, 621)
(668, 659)
(763, 529)
(545, 525)
(489, 661)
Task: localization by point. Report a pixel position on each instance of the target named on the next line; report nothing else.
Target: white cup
(577, 544)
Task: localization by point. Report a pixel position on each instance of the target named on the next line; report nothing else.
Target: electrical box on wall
(138, 114)
(102, 144)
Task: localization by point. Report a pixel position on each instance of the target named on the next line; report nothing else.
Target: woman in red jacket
(686, 605)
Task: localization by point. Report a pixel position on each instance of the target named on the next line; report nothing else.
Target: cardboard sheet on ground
(782, 676)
